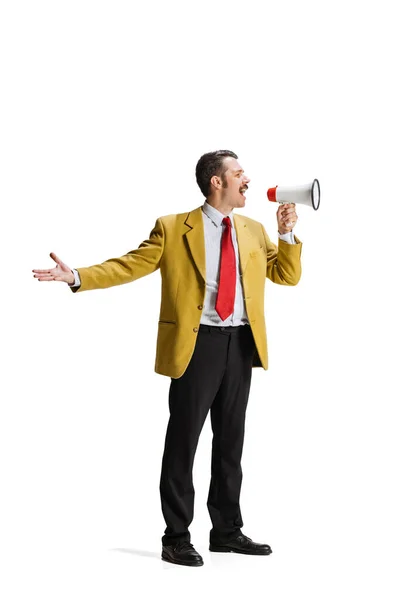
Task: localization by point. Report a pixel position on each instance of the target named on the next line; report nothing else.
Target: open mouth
(243, 190)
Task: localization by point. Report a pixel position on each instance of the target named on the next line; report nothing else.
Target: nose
(247, 179)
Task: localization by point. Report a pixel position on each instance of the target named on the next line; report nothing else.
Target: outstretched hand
(59, 273)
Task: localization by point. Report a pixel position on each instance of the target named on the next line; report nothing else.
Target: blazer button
(200, 307)
(196, 329)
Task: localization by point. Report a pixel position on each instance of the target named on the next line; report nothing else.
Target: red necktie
(225, 300)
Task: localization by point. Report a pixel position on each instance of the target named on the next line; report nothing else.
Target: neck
(222, 207)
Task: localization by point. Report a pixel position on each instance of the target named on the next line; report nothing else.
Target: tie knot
(226, 221)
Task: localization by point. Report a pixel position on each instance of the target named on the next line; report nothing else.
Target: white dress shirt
(213, 229)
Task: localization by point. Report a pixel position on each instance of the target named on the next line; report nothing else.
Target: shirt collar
(215, 215)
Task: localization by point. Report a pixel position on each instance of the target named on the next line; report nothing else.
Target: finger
(57, 259)
(40, 270)
(46, 272)
(46, 278)
(43, 274)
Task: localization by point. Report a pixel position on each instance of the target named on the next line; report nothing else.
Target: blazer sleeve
(133, 265)
(283, 261)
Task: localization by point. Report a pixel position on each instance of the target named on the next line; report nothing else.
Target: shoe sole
(183, 563)
(226, 549)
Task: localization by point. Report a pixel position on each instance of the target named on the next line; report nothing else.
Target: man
(211, 333)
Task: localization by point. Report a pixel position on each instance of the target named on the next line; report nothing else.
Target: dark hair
(208, 165)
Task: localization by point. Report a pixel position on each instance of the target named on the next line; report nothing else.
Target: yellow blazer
(177, 247)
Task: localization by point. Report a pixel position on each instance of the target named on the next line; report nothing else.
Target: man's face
(235, 183)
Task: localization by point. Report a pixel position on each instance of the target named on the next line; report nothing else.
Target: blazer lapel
(195, 237)
(246, 242)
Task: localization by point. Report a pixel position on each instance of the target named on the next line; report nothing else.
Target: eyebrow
(238, 171)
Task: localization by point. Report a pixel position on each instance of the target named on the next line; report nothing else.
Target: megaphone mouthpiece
(272, 194)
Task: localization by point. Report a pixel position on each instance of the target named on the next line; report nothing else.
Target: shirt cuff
(77, 281)
(287, 237)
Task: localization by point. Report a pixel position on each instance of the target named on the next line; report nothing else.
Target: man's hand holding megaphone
(286, 218)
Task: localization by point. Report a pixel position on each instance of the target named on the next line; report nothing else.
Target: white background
(105, 109)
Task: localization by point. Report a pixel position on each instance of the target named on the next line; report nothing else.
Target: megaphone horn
(309, 194)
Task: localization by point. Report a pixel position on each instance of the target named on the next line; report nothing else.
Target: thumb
(57, 260)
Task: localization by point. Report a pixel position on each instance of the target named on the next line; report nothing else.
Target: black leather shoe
(182, 553)
(242, 545)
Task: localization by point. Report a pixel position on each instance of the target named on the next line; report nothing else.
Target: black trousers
(217, 379)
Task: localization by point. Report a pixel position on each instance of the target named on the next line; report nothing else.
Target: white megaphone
(309, 194)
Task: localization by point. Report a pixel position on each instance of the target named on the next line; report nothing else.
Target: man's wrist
(76, 281)
(287, 237)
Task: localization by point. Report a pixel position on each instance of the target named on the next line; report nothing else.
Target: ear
(216, 182)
